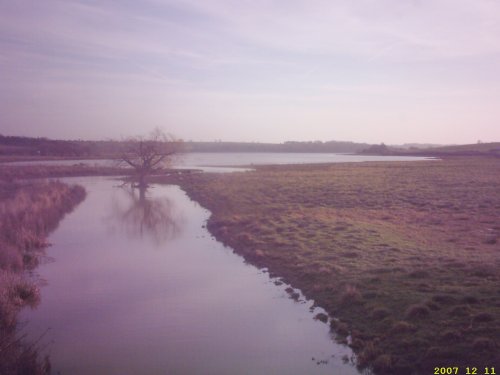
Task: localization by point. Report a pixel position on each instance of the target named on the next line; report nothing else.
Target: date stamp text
(451, 370)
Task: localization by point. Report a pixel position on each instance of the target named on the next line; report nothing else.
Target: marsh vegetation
(405, 255)
(28, 212)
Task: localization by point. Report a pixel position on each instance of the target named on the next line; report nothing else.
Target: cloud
(205, 35)
(413, 29)
(190, 61)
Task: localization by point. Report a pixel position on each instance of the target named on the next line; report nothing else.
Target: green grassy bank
(405, 254)
(28, 213)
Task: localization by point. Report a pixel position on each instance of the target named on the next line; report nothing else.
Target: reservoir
(236, 161)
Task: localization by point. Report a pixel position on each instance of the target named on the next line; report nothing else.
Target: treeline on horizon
(18, 147)
(476, 149)
(44, 147)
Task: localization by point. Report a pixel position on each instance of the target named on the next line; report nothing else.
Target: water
(227, 161)
(260, 158)
(138, 286)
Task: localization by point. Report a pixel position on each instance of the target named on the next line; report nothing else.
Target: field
(404, 255)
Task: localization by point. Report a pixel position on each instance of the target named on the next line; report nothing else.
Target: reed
(28, 213)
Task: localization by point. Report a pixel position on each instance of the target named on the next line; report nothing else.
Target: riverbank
(21, 172)
(28, 213)
(405, 255)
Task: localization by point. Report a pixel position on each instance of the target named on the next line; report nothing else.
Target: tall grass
(28, 213)
(16, 172)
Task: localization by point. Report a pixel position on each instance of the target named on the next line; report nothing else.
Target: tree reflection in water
(145, 216)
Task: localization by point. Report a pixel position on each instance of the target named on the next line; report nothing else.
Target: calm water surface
(260, 158)
(138, 286)
(227, 161)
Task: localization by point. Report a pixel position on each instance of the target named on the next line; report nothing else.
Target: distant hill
(491, 147)
(15, 146)
(475, 149)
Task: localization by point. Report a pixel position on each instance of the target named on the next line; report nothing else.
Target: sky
(392, 71)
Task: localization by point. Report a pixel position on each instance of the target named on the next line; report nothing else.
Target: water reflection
(139, 215)
(197, 308)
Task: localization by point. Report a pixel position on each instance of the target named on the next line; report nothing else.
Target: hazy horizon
(411, 71)
(145, 133)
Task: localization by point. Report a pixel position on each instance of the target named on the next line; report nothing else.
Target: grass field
(405, 255)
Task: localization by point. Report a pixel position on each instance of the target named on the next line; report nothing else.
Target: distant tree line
(43, 147)
(316, 146)
(477, 149)
(27, 146)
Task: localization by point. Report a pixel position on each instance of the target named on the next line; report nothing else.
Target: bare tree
(148, 155)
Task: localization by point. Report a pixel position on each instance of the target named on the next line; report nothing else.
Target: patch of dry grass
(405, 254)
(28, 212)
(15, 172)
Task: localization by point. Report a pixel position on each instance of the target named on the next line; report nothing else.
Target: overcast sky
(390, 71)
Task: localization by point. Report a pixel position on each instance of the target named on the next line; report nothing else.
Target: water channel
(137, 285)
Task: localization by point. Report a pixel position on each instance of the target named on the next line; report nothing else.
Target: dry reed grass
(28, 212)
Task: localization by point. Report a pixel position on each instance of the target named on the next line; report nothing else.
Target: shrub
(417, 311)
(338, 327)
(444, 299)
(27, 293)
(418, 274)
(402, 327)
(369, 352)
(382, 364)
(450, 336)
(10, 258)
(380, 313)
(322, 317)
(484, 343)
(460, 310)
(433, 306)
(490, 240)
(483, 317)
(471, 300)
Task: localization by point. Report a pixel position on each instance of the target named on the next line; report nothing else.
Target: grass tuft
(350, 295)
(484, 343)
(322, 317)
(483, 317)
(380, 313)
(417, 311)
(402, 327)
